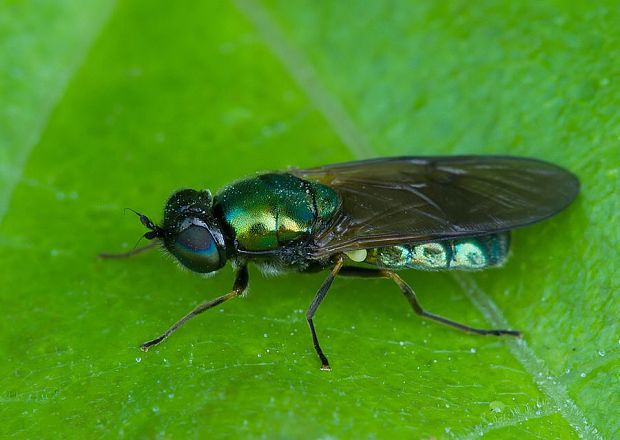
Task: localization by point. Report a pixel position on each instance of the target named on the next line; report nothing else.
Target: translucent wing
(415, 199)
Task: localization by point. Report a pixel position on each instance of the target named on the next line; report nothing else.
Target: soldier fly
(365, 218)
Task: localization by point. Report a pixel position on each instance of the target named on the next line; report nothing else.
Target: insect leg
(417, 308)
(241, 283)
(136, 251)
(320, 295)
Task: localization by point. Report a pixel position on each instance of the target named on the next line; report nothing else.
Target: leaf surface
(168, 95)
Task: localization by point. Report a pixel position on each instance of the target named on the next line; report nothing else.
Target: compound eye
(196, 249)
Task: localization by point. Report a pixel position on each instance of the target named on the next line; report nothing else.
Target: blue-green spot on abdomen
(473, 253)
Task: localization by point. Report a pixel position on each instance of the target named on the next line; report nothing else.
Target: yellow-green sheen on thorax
(270, 210)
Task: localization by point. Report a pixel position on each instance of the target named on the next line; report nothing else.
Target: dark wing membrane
(415, 199)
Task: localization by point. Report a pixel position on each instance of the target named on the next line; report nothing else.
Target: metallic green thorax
(473, 253)
(270, 210)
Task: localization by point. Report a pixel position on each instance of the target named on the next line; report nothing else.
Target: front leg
(135, 251)
(241, 283)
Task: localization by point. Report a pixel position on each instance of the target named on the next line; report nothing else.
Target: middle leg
(320, 295)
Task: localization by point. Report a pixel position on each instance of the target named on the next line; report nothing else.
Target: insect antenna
(155, 231)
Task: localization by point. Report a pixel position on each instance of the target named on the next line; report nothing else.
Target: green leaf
(153, 97)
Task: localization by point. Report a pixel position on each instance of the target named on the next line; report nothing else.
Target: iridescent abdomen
(472, 253)
(271, 210)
